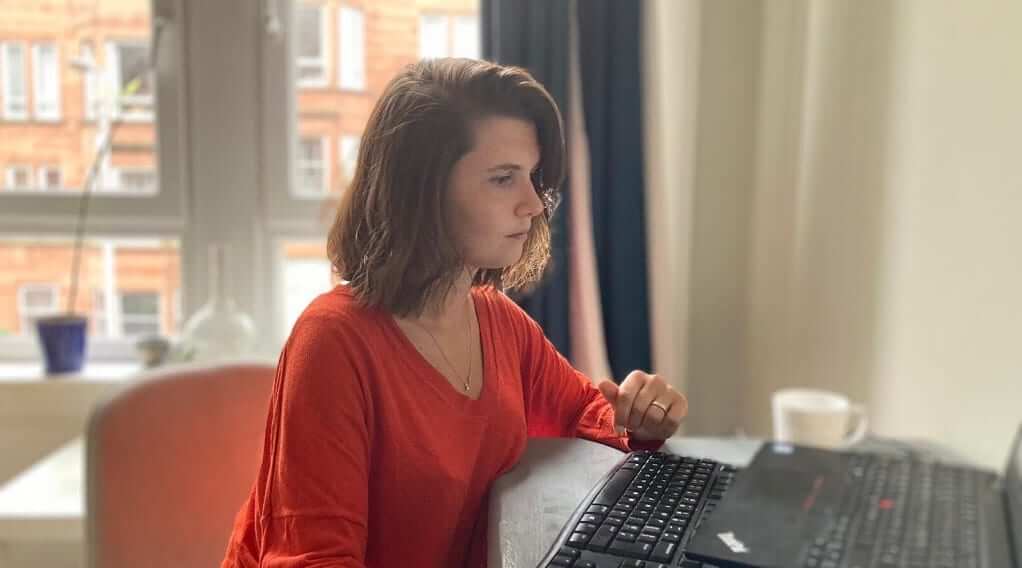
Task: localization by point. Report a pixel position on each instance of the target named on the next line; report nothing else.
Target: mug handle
(862, 423)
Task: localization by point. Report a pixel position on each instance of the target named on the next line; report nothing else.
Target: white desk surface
(46, 501)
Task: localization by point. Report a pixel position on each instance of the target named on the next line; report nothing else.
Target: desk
(39, 413)
(42, 509)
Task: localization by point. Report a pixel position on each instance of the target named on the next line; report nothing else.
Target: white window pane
(46, 73)
(15, 86)
(352, 49)
(85, 64)
(466, 37)
(349, 155)
(433, 42)
(150, 267)
(307, 274)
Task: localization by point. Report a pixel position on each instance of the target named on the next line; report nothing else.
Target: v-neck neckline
(434, 377)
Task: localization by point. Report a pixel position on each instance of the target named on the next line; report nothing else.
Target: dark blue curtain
(534, 34)
(610, 62)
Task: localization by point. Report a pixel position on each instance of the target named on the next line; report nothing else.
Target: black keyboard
(902, 513)
(642, 513)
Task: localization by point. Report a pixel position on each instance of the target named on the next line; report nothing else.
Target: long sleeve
(312, 491)
(559, 400)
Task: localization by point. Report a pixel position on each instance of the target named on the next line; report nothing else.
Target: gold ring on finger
(659, 405)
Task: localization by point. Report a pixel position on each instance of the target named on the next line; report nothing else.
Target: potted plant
(63, 336)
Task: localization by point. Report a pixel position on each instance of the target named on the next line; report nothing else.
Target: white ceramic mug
(819, 418)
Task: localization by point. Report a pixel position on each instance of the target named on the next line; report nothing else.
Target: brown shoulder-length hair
(389, 239)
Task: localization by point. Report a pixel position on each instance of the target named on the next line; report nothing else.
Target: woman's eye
(502, 180)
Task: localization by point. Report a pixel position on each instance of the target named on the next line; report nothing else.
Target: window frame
(40, 113)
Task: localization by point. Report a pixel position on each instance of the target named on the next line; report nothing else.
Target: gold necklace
(467, 381)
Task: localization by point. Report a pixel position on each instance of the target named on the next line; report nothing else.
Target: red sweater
(371, 458)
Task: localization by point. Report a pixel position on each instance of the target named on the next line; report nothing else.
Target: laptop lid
(774, 509)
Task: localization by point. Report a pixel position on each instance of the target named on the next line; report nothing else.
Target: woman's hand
(646, 405)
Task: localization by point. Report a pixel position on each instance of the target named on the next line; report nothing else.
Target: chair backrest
(169, 462)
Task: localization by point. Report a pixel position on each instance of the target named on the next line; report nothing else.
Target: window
(349, 156)
(135, 181)
(352, 70)
(311, 38)
(102, 320)
(15, 87)
(312, 173)
(46, 84)
(118, 280)
(87, 65)
(49, 178)
(259, 152)
(441, 35)
(306, 275)
(35, 301)
(466, 39)
(433, 36)
(130, 80)
(140, 313)
(17, 178)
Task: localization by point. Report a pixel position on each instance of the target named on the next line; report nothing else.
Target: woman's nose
(532, 204)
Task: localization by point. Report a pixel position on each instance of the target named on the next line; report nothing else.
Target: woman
(405, 392)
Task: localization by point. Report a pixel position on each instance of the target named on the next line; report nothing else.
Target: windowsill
(99, 371)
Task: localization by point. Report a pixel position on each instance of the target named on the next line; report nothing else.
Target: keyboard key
(663, 551)
(567, 551)
(578, 539)
(562, 561)
(602, 538)
(614, 488)
(632, 549)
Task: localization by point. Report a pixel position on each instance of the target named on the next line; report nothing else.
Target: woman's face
(491, 201)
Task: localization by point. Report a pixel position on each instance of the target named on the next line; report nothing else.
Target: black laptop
(798, 507)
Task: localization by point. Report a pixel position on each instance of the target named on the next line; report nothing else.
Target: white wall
(855, 215)
(953, 344)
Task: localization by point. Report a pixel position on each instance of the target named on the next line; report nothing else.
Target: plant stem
(83, 212)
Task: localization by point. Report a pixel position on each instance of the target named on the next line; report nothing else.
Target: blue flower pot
(63, 343)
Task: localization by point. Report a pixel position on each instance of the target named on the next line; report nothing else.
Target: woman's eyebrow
(509, 166)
